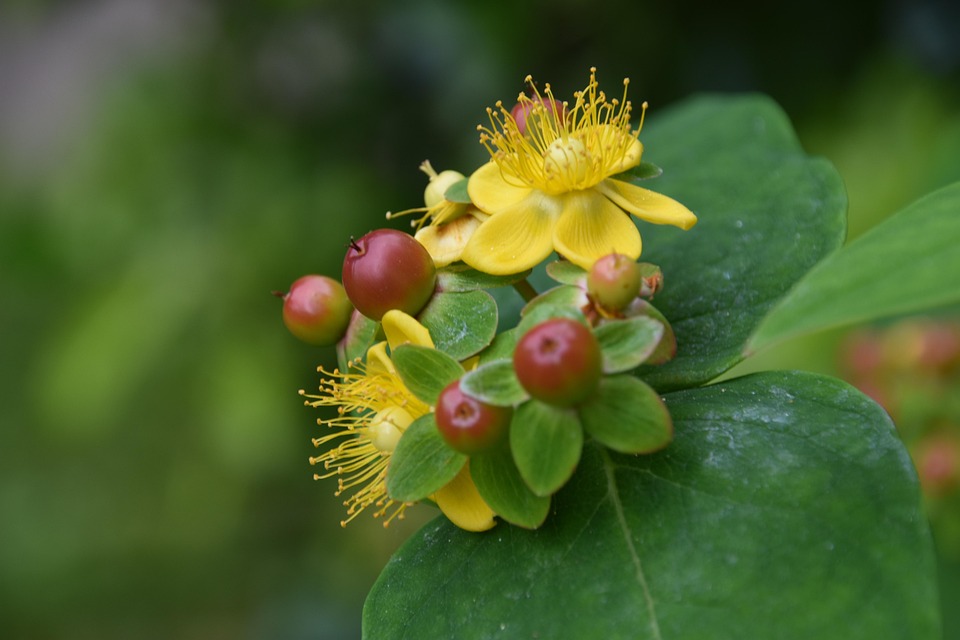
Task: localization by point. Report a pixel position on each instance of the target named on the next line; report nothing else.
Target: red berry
(614, 281)
(539, 108)
(468, 425)
(559, 362)
(387, 269)
(317, 310)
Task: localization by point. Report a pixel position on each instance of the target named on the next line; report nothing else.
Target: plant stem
(525, 289)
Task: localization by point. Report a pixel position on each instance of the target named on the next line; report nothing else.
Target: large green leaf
(908, 263)
(786, 507)
(767, 213)
(460, 323)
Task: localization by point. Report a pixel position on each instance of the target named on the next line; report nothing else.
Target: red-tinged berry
(559, 362)
(317, 310)
(614, 281)
(468, 425)
(387, 269)
(537, 108)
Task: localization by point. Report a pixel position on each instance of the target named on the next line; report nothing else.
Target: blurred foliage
(155, 479)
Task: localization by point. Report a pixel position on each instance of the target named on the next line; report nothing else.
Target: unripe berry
(468, 425)
(614, 281)
(317, 310)
(387, 269)
(559, 362)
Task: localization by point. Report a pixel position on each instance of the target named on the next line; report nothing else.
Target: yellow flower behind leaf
(374, 408)
(548, 186)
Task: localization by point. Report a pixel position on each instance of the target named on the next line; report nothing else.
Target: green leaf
(495, 383)
(786, 507)
(422, 463)
(566, 272)
(667, 347)
(461, 324)
(767, 213)
(628, 343)
(425, 371)
(563, 296)
(460, 277)
(908, 263)
(546, 443)
(498, 481)
(360, 334)
(643, 171)
(627, 415)
(534, 315)
(457, 192)
(501, 347)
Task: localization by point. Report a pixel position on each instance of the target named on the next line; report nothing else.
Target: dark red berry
(317, 310)
(614, 281)
(546, 108)
(468, 425)
(559, 362)
(387, 269)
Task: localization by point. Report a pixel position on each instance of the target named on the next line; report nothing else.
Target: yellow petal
(490, 192)
(461, 503)
(402, 328)
(445, 242)
(591, 227)
(607, 137)
(516, 238)
(647, 205)
(378, 362)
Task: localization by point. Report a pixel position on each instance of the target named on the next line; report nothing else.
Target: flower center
(387, 426)
(557, 150)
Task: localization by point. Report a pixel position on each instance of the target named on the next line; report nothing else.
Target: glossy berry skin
(614, 281)
(317, 310)
(468, 425)
(559, 362)
(522, 110)
(387, 269)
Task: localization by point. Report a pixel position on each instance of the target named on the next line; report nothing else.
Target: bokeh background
(166, 164)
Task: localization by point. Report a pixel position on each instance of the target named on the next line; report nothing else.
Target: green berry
(614, 281)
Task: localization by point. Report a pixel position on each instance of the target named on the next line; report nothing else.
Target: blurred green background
(166, 164)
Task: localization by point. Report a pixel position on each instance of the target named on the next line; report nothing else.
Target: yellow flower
(548, 185)
(450, 223)
(374, 408)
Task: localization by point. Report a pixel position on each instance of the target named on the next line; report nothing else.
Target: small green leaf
(457, 192)
(494, 383)
(667, 347)
(460, 277)
(628, 343)
(501, 347)
(422, 463)
(627, 415)
(643, 171)
(908, 263)
(546, 442)
(498, 481)
(425, 371)
(532, 316)
(563, 296)
(566, 272)
(461, 324)
(361, 333)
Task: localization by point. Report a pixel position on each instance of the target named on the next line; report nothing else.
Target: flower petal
(647, 205)
(591, 227)
(402, 328)
(516, 238)
(461, 503)
(378, 362)
(445, 242)
(490, 193)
